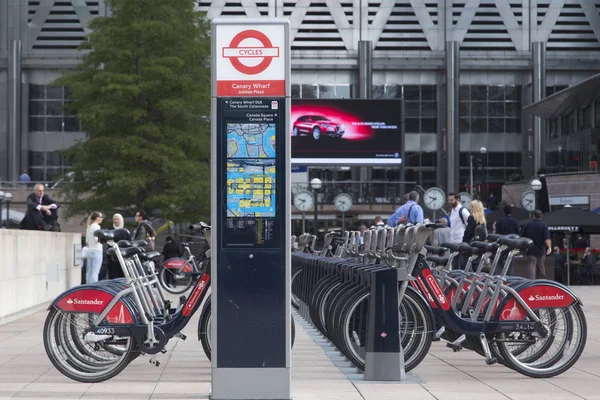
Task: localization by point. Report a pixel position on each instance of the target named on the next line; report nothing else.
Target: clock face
(343, 202)
(304, 201)
(434, 198)
(528, 200)
(465, 199)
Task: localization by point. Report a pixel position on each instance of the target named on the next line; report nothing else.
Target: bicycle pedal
(163, 351)
(455, 348)
(180, 336)
(491, 361)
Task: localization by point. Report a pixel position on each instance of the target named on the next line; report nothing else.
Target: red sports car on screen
(317, 125)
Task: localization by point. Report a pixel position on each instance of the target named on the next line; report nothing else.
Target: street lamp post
(315, 185)
(483, 152)
(1, 201)
(536, 186)
(472, 158)
(7, 198)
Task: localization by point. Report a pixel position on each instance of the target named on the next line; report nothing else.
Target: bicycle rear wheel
(65, 353)
(568, 336)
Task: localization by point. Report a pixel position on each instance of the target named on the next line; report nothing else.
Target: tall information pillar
(250, 209)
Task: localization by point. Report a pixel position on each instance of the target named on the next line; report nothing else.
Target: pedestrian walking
(94, 253)
(537, 231)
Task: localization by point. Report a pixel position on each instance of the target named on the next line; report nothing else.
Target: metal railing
(373, 192)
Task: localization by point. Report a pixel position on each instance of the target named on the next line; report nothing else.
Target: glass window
(464, 93)
(53, 174)
(428, 109)
(412, 108)
(54, 93)
(393, 91)
(464, 108)
(478, 125)
(513, 159)
(429, 92)
(479, 92)
(36, 158)
(36, 124)
(343, 91)
(411, 92)
(37, 174)
(72, 124)
(479, 109)
(37, 107)
(513, 125)
(495, 159)
(496, 93)
(378, 91)
(512, 93)
(309, 91)
(496, 125)
(412, 125)
(429, 125)
(53, 124)
(37, 91)
(496, 109)
(327, 91)
(53, 159)
(428, 159)
(295, 91)
(54, 108)
(464, 125)
(513, 109)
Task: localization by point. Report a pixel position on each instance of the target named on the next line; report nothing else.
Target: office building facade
(465, 68)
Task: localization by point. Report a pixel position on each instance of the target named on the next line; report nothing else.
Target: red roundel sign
(235, 52)
(251, 60)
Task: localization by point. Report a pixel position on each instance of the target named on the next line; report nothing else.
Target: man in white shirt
(458, 218)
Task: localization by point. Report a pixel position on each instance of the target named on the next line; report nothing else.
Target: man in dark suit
(41, 211)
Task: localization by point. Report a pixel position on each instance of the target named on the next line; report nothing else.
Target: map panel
(251, 188)
(251, 141)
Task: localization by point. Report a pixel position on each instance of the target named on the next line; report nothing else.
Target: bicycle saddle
(132, 243)
(454, 246)
(493, 237)
(486, 247)
(435, 250)
(112, 234)
(149, 256)
(127, 252)
(438, 260)
(519, 244)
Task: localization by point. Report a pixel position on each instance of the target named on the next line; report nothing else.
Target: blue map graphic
(250, 140)
(251, 188)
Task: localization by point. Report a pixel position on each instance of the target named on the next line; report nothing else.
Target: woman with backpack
(476, 225)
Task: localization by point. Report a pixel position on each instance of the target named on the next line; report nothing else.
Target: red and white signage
(250, 60)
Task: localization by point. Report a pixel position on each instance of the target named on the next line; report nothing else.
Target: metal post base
(251, 383)
(384, 367)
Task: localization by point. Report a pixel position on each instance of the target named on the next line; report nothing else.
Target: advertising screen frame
(354, 161)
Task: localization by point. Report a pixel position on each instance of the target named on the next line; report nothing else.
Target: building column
(14, 109)
(539, 92)
(365, 87)
(452, 133)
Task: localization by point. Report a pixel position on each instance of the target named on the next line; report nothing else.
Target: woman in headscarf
(114, 268)
(118, 222)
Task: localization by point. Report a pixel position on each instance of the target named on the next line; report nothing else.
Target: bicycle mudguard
(179, 264)
(94, 299)
(536, 294)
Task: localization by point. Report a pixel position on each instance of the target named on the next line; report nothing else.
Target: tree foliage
(142, 93)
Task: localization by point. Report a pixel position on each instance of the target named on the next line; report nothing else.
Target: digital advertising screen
(346, 131)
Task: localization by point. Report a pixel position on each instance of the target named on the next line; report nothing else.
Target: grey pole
(452, 134)
(539, 88)
(14, 109)
(365, 86)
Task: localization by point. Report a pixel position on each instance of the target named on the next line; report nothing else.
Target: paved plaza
(184, 373)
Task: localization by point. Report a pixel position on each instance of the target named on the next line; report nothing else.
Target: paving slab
(184, 373)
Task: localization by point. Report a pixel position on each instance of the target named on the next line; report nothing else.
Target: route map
(251, 188)
(250, 140)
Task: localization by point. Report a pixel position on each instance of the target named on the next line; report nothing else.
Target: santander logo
(538, 297)
(77, 301)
